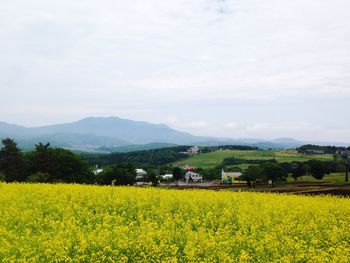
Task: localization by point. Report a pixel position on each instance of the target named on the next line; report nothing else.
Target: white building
(141, 175)
(229, 177)
(97, 170)
(193, 150)
(191, 176)
(167, 177)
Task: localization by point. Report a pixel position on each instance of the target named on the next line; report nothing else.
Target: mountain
(134, 132)
(112, 134)
(94, 133)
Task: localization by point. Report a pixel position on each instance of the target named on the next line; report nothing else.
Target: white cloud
(216, 61)
(197, 125)
(231, 125)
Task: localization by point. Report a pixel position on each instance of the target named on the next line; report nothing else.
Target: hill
(212, 159)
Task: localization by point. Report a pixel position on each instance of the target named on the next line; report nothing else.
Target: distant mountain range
(112, 134)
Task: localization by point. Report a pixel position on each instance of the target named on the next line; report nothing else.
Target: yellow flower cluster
(77, 223)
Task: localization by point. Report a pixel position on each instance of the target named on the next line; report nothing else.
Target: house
(229, 177)
(167, 177)
(193, 150)
(97, 170)
(191, 176)
(141, 175)
(189, 168)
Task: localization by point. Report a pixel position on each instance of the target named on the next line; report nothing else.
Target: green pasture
(212, 159)
(335, 178)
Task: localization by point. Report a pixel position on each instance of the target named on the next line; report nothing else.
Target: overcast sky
(234, 68)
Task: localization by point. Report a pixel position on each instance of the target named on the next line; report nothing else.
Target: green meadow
(212, 159)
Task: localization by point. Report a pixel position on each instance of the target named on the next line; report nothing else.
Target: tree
(251, 174)
(43, 160)
(152, 177)
(318, 169)
(210, 173)
(343, 157)
(121, 174)
(58, 165)
(347, 164)
(177, 174)
(11, 161)
(274, 173)
(39, 178)
(297, 170)
(2, 176)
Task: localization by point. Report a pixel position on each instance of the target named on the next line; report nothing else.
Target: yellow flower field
(77, 223)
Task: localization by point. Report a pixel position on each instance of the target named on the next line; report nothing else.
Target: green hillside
(212, 159)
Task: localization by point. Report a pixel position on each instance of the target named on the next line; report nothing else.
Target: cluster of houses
(189, 176)
(192, 150)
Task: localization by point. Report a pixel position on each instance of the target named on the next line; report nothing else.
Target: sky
(228, 68)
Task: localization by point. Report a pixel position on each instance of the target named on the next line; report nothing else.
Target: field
(65, 223)
(333, 178)
(209, 160)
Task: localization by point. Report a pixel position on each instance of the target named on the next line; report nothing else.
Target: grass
(210, 160)
(334, 178)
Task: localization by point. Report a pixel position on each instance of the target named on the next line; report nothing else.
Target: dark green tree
(39, 178)
(297, 169)
(71, 167)
(11, 161)
(177, 174)
(211, 173)
(346, 161)
(43, 159)
(152, 177)
(318, 169)
(58, 165)
(120, 174)
(251, 174)
(343, 156)
(274, 173)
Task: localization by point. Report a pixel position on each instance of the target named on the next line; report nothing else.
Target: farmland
(45, 223)
(209, 160)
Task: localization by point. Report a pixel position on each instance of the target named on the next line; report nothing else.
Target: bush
(2, 177)
(119, 174)
(39, 178)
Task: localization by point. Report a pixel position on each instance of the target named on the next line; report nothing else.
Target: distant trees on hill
(227, 147)
(155, 156)
(148, 157)
(327, 149)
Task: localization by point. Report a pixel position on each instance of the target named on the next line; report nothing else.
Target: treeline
(148, 157)
(327, 149)
(262, 171)
(207, 149)
(153, 157)
(278, 172)
(44, 164)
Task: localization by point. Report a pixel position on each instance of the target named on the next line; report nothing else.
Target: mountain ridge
(94, 133)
